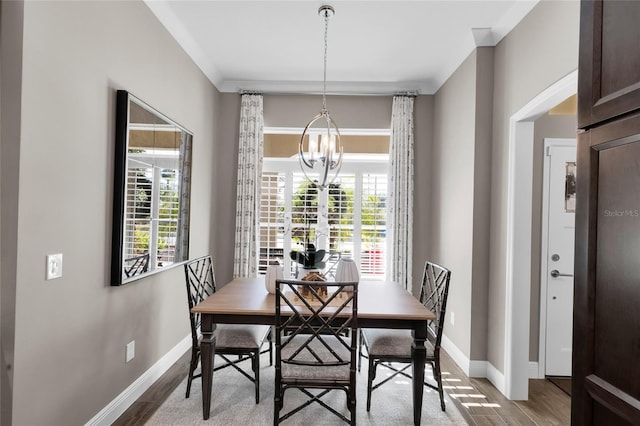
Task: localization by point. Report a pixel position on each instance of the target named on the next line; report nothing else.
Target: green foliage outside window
(340, 212)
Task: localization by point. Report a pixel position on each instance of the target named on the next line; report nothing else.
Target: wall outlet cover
(130, 351)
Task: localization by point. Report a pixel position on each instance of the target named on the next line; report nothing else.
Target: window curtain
(182, 237)
(250, 150)
(400, 197)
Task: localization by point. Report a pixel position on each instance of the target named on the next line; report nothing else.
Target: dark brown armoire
(606, 338)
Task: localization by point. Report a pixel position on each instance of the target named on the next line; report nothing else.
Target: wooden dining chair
(242, 340)
(385, 346)
(311, 349)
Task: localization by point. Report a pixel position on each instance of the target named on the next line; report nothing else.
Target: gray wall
(422, 196)
(469, 169)
(541, 50)
(481, 199)
(70, 333)
(547, 126)
(10, 83)
(452, 198)
(460, 199)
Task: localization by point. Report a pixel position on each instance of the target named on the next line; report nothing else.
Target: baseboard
(480, 368)
(471, 368)
(456, 354)
(496, 378)
(534, 372)
(119, 405)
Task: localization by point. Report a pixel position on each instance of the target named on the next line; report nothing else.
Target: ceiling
(374, 47)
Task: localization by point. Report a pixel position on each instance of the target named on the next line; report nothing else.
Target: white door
(560, 219)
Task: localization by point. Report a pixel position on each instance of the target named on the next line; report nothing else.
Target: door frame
(518, 235)
(544, 248)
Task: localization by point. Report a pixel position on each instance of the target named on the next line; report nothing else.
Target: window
(347, 219)
(151, 209)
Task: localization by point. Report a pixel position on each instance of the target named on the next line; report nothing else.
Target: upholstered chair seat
(393, 343)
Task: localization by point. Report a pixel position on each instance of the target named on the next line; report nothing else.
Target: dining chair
(385, 346)
(242, 340)
(311, 349)
(136, 265)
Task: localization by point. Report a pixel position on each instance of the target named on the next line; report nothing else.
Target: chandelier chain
(324, 87)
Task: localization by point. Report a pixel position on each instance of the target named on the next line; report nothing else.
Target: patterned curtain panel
(400, 198)
(250, 151)
(182, 238)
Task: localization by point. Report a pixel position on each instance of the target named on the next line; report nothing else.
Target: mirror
(151, 191)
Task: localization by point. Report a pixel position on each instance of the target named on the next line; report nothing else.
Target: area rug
(233, 403)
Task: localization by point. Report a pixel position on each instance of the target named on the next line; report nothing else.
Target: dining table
(381, 304)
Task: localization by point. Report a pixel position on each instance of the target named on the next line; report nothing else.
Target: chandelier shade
(320, 148)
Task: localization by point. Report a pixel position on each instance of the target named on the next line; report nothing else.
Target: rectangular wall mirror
(151, 191)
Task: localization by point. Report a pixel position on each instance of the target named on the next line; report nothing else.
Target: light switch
(54, 266)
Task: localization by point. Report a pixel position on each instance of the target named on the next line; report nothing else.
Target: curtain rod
(257, 92)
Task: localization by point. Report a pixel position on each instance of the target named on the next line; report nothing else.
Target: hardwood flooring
(477, 399)
(563, 383)
(482, 404)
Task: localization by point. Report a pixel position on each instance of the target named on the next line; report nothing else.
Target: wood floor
(483, 404)
(477, 399)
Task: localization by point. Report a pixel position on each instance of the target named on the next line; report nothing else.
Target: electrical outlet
(54, 266)
(130, 351)
(452, 318)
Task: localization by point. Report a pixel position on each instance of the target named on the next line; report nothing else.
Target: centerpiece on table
(312, 262)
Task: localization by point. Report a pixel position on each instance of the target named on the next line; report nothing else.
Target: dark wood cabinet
(606, 338)
(609, 75)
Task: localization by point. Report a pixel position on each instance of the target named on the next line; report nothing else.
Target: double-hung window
(348, 219)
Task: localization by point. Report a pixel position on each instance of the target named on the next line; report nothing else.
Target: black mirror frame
(123, 99)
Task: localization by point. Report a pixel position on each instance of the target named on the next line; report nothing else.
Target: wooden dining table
(380, 305)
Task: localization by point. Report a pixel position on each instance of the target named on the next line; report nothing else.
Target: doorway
(556, 260)
(518, 235)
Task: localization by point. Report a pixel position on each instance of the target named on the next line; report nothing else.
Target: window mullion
(288, 223)
(155, 211)
(357, 218)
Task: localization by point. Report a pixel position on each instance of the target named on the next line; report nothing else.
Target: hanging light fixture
(320, 150)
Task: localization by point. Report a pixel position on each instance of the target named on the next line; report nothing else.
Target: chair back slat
(315, 315)
(136, 265)
(433, 295)
(200, 285)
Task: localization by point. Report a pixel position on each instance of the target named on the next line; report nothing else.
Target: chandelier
(320, 150)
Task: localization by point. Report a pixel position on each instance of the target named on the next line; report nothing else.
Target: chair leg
(438, 377)
(192, 368)
(256, 370)
(352, 405)
(360, 350)
(277, 403)
(271, 347)
(372, 375)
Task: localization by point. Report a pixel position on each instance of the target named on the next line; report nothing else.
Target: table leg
(418, 356)
(207, 352)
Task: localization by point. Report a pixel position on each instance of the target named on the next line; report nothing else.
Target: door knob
(555, 273)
